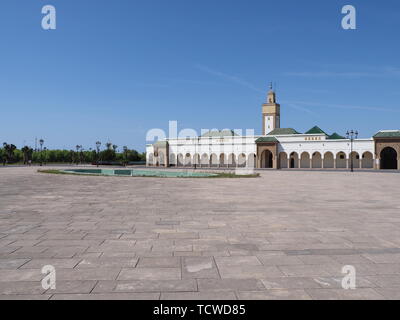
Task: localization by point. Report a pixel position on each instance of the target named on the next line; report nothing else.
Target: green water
(140, 173)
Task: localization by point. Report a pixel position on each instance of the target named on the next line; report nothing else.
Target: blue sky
(115, 69)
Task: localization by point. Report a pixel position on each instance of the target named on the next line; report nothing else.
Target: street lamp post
(45, 155)
(98, 144)
(352, 135)
(41, 142)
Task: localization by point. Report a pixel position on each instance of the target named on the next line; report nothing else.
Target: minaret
(271, 112)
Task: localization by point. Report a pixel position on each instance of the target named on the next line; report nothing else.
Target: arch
(242, 160)
(329, 160)
(389, 159)
(341, 160)
(196, 159)
(172, 160)
(214, 160)
(205, 161)
(367, 161)
(151, 160)
(294, 160)
(283, 160)
(180, 161)
(305, 160)
(231, 160)
(161, 159)
(355, 157)
(251, 160)
(267, 159)
(188, 160)
(222, 160)
(316, 161)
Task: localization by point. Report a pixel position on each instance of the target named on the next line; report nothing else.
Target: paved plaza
(285, 235)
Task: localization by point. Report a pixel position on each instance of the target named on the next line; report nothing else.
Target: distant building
(278, 148)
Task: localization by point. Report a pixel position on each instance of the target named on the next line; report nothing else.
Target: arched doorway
(242, 160)
(294, 160)
(305, 160)
(341, 161)
(367, 160)
(188, 160)
(316, 160)
(266, 159)
(205, 162)
(172, 160)
(329, 160)
(389, 159)
(222, 160)
(214, 160)
(161, 159)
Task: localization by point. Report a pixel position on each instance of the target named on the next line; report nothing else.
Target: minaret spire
(271, 112)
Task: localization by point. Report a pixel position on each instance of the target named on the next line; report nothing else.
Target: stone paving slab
(103, 262)
(146, 286)
(285, 235)
(294, 294)
(107, 296)
(25, 297)
(230, 284)
(340, 294)
(226, 295)
(150, 274)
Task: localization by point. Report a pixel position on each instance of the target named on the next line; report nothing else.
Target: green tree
(9, 150)
(3, 156)
(110, 153)
(27, 154)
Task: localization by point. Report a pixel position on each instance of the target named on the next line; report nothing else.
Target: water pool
(140, 173)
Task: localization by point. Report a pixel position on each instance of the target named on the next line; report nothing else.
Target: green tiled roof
(282, 131)
(336, 136)
(266, 139)
(219, 134)
(315, 130)
(388, 134)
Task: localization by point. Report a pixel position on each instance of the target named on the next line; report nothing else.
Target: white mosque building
(278, 148)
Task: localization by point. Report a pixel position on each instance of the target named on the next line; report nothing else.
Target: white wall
(246, 145)
(335, 146)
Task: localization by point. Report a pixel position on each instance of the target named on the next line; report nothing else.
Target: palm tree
(9, 152)
(98, 145)
(3, 154)
(78, 157)
(25, 150)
